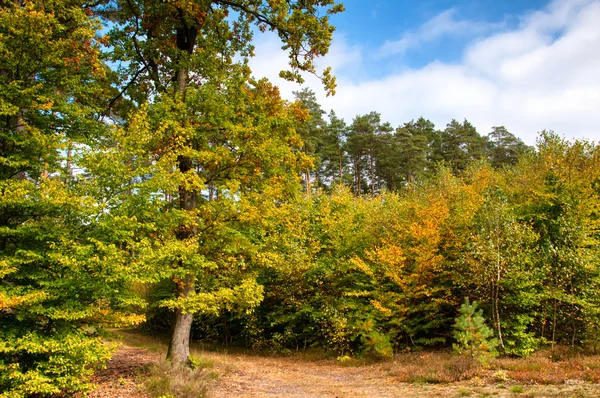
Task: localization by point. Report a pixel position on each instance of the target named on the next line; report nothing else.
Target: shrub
(473, 336)
(378, 344)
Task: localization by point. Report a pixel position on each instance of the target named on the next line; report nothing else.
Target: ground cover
(136, 371)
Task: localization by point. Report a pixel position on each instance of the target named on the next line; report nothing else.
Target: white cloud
(443, 24)
(543, 74)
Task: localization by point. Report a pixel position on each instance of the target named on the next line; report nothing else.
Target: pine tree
(412, 144)
(473, 337)
(333, 158)
(312, 132)
(504, 147)
(365, 144)
(461, 144)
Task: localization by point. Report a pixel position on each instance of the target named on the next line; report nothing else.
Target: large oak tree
(189, 59)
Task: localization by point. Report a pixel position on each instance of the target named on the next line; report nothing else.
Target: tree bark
(554, 314)
(340, 158)
(497, 290)
(179, 346)
(357, 173)
(372, 164)
(307, 183)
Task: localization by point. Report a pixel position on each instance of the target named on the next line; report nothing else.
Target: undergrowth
(434, 367)
(165, 381)
(545, 367)
(558, 366)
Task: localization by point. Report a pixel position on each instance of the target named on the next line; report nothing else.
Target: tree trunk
(573, 311)
(358, 172)
(340, 158)
(372, 164)
(554, 316)
(186, 40)
(498, 324)
(307, 182)
(497, 290)
(179, 346)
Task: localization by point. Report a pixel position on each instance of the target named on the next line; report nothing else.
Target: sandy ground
(259, 376)
(252, 376)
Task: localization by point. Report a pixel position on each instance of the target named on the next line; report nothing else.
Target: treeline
(357, 274)
(370, 155)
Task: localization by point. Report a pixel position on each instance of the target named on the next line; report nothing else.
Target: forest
(148, 180)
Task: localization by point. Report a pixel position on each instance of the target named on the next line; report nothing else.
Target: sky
(528, 65)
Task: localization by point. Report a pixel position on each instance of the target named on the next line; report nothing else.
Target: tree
(502, 251)
(190, 58)
(559, 197)
(333, 157)
(461, 144)
(472, 335)
(311, 131)
(388, 167)
(364, 144)
(412, 144)
(504, 148)
(59, 283)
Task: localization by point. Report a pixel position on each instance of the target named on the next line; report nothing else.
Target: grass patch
(541, 368)
(200, 362)
(180, 382)
(433, 367)
(134, 338)
(547, 367)
(516, 389)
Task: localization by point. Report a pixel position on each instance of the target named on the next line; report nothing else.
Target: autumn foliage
(359, 274)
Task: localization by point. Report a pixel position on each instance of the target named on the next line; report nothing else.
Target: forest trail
(253, 376)
(121, 377)
(248, 376)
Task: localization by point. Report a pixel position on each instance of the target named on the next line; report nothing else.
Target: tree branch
(133, 79)
(260, 17)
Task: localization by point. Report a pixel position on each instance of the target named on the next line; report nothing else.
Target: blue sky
(526, 64)
(374, 22)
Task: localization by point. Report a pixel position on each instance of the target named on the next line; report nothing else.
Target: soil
(252, 376)
(245, 375)
(124, 373)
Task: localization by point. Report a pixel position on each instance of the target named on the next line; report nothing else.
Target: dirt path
(276, 377)
(246, 376)
(121, 378)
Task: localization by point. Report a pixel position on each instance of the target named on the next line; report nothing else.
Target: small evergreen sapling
(473, 337)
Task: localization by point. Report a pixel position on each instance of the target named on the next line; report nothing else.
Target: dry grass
(433, 367)
(546, 367)
(133, 338)
(165, 380)
(561, 366)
